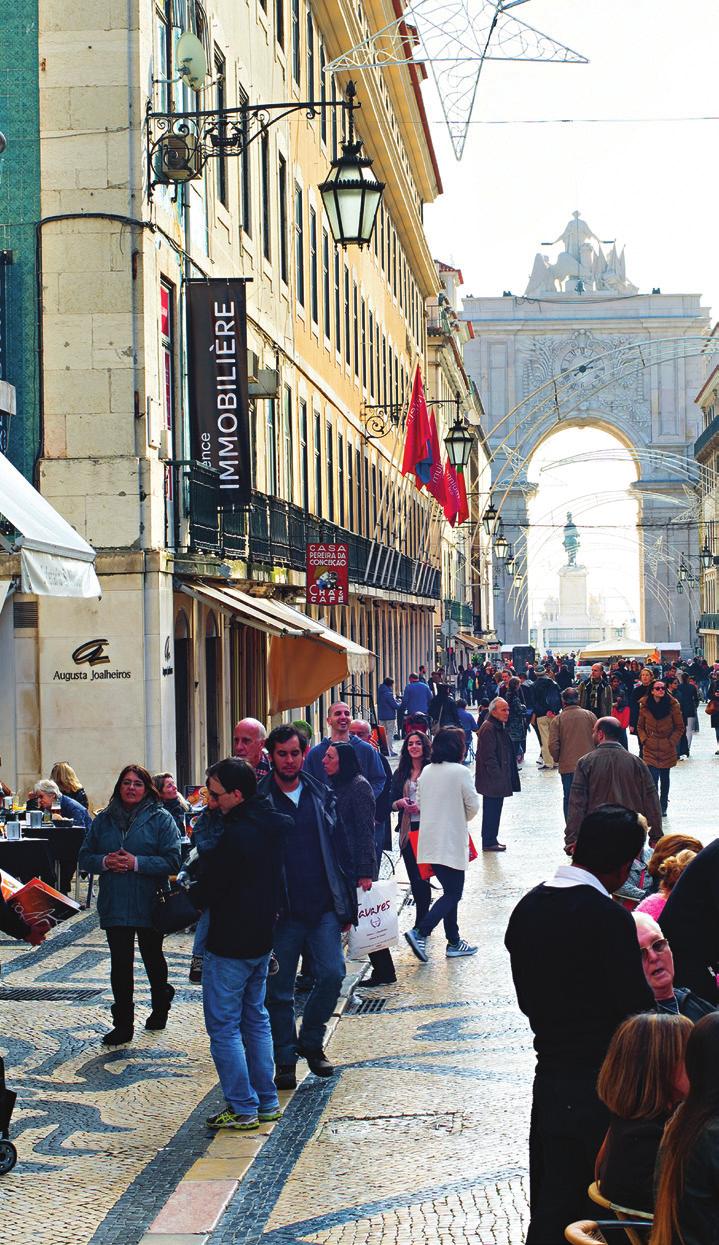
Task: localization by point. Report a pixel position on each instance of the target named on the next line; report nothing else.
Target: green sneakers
(237, 1123)
(270, 1117)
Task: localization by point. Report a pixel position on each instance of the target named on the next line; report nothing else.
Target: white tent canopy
(625, 647)
(54, 560)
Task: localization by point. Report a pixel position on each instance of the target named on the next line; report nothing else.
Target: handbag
(712, 707)
(425, 870)
(377, 925)
(173, 910)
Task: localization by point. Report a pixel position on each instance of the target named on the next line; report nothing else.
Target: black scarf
(659, 709)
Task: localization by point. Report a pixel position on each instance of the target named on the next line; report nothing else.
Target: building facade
(706, 452)
(99, 286)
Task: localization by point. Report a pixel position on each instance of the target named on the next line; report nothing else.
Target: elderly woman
(447, 802)
(134, 845)
(46, 793)
(496, 774)
(660, 726)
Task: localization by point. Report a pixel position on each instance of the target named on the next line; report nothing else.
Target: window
(162, 38)
(341, 477)
(271, 449)
(310, 55)
(385, 399)
(358, 488)
(364, 345)
(333, 97)
(338, 306)
(282, 179)
(167, 347)
(299, 246)
(371, 354)
(220, 105)
(265, 177)
(330, 443)
(318, 463)
(296, 40)
(287, 445)
(304, 459)
(280, 22)
(350, 488)
(245, 173)
(366, 495)
(314, 293)
(348, 343)
(355, 326)
(326, 296)
(323, 93)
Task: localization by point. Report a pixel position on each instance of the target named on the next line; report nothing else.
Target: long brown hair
(404, 769)
(637, 1078)
(682, 1131)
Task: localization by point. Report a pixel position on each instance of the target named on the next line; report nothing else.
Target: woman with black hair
(356, 808)
(447, 801)
(132, 846)
(687, 1192)
(415, 754)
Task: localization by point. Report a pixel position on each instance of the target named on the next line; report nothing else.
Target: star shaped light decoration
(455, 38)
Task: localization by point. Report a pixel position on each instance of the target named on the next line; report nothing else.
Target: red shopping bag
(426, 871)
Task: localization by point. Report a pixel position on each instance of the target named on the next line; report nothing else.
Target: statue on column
(571, 540)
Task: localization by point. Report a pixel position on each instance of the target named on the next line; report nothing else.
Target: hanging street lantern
(351, 193)
(705, 557)
(489, 518)
(501, 547)
(683, 569)
(510, 564)
(459, 440)
(496, 590)
(680, 586)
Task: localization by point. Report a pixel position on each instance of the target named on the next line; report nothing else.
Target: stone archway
(604, 356)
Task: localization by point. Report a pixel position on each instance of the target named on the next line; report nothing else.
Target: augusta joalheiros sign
(219, 420)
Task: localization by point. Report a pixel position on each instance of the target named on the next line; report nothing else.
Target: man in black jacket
(241, 884)
(577, 970)
(319, 901)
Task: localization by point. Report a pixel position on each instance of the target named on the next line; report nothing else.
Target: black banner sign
(219, 417)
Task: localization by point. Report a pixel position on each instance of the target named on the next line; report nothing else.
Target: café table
(25, 859)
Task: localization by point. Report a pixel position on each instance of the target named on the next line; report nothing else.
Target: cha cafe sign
(92, 653)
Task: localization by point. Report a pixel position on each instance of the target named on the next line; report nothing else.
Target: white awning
(54, 560)
(359, 660)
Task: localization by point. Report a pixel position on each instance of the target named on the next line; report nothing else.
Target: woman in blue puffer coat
(133, 845)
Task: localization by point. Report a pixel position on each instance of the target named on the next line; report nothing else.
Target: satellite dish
(191, 60)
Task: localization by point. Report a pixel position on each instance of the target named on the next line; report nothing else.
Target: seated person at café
(176, 804)
(46, 793)
(641, 1081)
(658, 965)
(67, 780)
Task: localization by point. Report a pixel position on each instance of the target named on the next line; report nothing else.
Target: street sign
(449, 628)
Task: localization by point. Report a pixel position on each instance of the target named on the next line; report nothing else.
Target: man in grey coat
(611, 775)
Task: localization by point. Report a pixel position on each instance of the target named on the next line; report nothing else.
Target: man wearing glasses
(658, 965)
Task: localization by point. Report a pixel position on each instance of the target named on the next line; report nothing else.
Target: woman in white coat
(447, 802)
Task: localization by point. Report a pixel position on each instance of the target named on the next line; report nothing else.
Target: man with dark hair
(240, 885)
(611, 775)
(319, 901)
(570, 737)
(578, 973)
(547, 702)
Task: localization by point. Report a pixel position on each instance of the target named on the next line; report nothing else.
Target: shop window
(213, 685)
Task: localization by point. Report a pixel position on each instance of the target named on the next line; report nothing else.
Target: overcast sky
(653, 186)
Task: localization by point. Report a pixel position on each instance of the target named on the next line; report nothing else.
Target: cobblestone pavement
(421, 1135)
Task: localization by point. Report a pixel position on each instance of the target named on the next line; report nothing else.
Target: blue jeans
(200, 940)
(567, 780)
(233, 998)
(444, 908)
(324, 942)
(661, 782)
(491, 815)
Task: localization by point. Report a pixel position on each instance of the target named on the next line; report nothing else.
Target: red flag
(463, 503)
(451, 493)
(416, 458)
(436, 483)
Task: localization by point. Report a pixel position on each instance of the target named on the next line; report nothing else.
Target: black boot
(123, 1030)
(160, 1008)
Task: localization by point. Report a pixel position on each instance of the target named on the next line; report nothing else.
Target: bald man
(370, 761)
(248, 743)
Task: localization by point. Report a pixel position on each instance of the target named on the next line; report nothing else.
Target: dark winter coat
(496, 772)
(356, 807)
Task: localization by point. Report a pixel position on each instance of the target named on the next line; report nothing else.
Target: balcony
(461, 614)
(708, 622)
(274, 533)
(707, 436)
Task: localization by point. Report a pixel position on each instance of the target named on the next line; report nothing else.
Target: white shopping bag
(377, 925)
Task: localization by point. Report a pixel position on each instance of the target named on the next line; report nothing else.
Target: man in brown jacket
(570, 737)
(611, 775)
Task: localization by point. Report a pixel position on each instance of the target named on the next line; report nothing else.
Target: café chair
(623, 1213)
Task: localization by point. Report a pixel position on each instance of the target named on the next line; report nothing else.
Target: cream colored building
(342, 330)
(706, 452)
